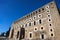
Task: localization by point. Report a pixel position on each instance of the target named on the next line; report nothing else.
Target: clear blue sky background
(11, 10)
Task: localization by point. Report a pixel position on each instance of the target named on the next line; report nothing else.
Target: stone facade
(41, 24)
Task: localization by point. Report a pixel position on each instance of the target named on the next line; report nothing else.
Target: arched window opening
(12, 33)
(18, 34)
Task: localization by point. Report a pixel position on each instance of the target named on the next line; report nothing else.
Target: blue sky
(11, 10)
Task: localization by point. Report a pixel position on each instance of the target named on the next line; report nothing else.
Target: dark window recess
(29, 24)
(39, 15)
(34, 17)
(31, 14)
(50, 29)
(39, 10)
(51, 34)
(48, 15)
(18, 34)
(26, 25)
(42, 36)
(41, 27)
(40, 21)
(47, 11)
(36, 11)
(50, 25)
(12, 33)
(27, 16)
(42, 8)
(51, 3)
(22, 33)
(49, 19)
(47, 7)
(30, 35)
(35, 28)
(34, 23)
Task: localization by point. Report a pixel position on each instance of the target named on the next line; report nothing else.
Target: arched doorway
(22, 33)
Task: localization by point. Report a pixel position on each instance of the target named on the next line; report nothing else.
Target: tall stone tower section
(55, 20)
(41, 24)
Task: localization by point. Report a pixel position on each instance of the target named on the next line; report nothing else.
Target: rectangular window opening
(42, 36)
(40, 21)
(30, 35)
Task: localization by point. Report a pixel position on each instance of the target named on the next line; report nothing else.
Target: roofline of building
(32, 12)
